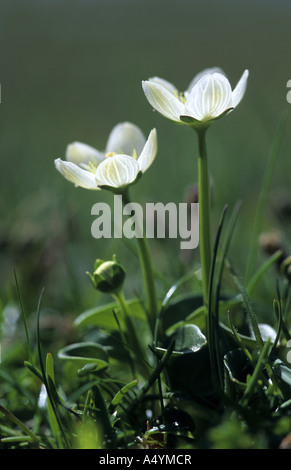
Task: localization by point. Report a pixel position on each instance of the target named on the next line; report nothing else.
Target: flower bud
(108, 276)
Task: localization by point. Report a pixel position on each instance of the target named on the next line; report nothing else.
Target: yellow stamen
(92, 167)
(110, 154)
(180, 96)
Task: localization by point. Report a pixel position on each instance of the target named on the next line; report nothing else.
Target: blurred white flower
(208, 97)
(126, 157)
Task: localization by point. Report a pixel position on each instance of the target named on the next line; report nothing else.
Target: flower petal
(125, 138)
(164, 83)
(210, 97)
(149, 151)
(80, 153)
(201, 74)
(117, 171)
(163, 100)
(240, 89)
(75, 174)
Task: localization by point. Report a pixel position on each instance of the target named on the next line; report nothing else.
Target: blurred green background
(71, 70)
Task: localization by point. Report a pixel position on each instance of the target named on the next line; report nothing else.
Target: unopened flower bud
(108, 276)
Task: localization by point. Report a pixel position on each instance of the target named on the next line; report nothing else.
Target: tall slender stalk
(147, 272)
(133, 339)
(204, 212)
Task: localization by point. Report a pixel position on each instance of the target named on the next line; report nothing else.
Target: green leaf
(256, 375)
(186, 306)
(237, 367)
(120, 394)
(282, 371)
(155, 374)
(179, 310)
(80, 354)
(87, 369)
(23, 318)
(34, 370)
(261, 271)
(102, 416)
(202, 124)
(193, 275)
(253, 324)
(43, 372)
(191, 120)
(11, 417)
(248, 341)
(103, 316)
(189, 338)
(56, 431)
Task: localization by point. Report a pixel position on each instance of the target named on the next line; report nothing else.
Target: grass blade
(165, 302)
(51, 414)
(43, 372)
(20, 424)
(120, 395)
(212, 319)
(23, 318)
(101, 413)
(262, 270)
(256, 374)
(254, 326)
(248, 305)
(156, 373)
(264, 194)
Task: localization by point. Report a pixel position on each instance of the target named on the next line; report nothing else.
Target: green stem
(155, 374)
(256, 374)
(147, 272)
(204, 213)
(133, 340)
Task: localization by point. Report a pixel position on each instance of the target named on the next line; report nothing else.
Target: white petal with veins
(78, 153)
(164, 83)
(149, 151)
(239, 91)
(210, 97)
(125, 138)
(117, 171)
(200, 75)
(75, 174)
(163, 100)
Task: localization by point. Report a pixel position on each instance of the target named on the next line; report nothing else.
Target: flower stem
(204, 213)
(147, 272)
(133, 340)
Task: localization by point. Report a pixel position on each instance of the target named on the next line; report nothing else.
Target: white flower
(126, 157)
(208, 97)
